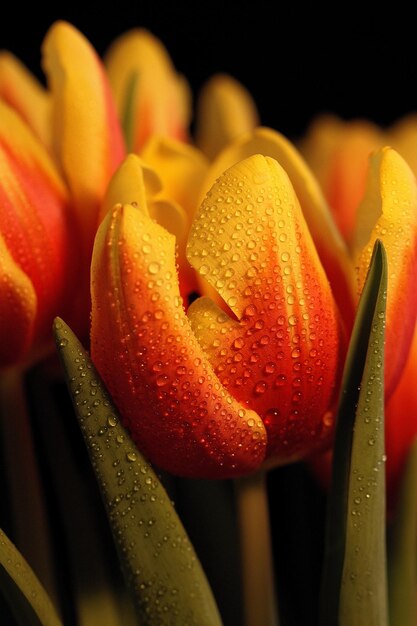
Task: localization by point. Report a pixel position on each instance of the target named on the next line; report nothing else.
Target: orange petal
(173, 404)
(330, 246)
(88, 138)
(182, 169)
(161, 98)
(225, 110)
(17, 309)
(282, 355)
(20, 90)
(338, 153)
(34, 217)
(389, 213)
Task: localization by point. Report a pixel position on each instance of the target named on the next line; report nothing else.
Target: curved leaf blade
(28, 600)
(354, 589)
(157, 558)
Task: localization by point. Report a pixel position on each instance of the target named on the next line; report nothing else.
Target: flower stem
(26, 514)
(260, 603)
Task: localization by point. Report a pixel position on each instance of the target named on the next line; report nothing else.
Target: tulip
(225, 110)
(338, 154)
(35, 237)
(87, 138)
(23, 93)
(59, 147)
(284, 353)
(150, 96)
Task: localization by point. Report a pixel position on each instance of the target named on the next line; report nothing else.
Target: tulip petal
(34, 216)
(173, 404)
(402, 136)
(132, 183)
(160, 100)
(182, 169)
(171, 216)
(330, 246)
(88, 137)
(18, 304)
(281, 356)
(389, 213)
(21, 91)
(225, 110)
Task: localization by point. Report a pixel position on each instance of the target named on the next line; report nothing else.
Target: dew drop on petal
(153, 268)
(260, 387)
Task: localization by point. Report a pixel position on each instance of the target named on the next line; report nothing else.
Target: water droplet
(153, 268)
(250, 310)
(269, 368)
(271, 416)
(112, 421)
(280, 380)
(328, 419)
(260, 387)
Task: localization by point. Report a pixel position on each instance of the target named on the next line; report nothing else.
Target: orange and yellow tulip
(268, 351)
(208, 395)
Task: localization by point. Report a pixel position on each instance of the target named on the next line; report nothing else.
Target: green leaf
(158, 560)
(28, 600)
(128, 118)
(354, 589)
(402, 560)
(88, 568)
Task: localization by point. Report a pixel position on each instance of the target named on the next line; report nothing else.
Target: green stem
(260, 603)
(24, 491)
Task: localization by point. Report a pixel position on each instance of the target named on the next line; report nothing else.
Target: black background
(296, 60)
